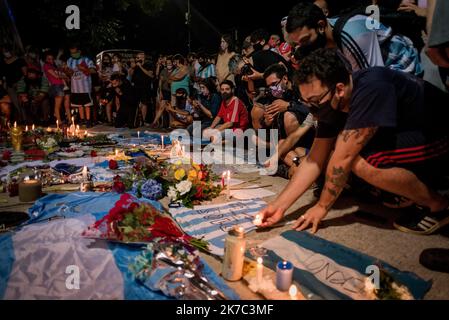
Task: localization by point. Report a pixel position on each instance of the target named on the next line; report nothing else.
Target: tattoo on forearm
(362, 136)
(335, 183)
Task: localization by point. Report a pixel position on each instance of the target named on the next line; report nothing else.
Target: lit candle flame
(293, 292)
(15, 124)
(26, 128)
(32, 127)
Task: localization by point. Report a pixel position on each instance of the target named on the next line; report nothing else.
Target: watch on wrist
(296, 161)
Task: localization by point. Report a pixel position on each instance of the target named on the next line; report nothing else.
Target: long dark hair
(230, 41)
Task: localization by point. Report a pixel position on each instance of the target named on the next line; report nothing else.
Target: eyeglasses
(275, 84)
(316, 104)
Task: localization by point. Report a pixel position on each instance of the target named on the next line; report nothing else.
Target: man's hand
(277, 106)
(268, 119)
(313, 216)
(271, 215)
(409, 7)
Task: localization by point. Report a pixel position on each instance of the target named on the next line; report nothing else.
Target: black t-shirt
(13, 71)
(139, 78)
(385, 98)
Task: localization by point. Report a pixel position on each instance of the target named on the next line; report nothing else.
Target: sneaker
(422, 221)
(435, 259)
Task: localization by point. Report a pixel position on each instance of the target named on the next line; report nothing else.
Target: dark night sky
(166, 31)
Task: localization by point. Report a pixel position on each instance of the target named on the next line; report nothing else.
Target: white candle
(183, 149)
(116, 152)
(293, 292)
(162, 142)
(26, 128)
(85, 173)
(138, 134)
(257, 220)
(284, 275)
(73, 120)
(32, 127)
(57, 124)
(15, 124)
(228, 184)
(259, 271)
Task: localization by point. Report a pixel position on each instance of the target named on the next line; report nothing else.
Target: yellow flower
(196, 167)
(180, 174)
(178, 163)
(192, 175)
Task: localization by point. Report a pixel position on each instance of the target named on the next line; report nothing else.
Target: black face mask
(180, 102)
(257, 47)
(319, 43)
(226, 96)
(325, 112)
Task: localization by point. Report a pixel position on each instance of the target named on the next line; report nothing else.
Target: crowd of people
(346, 92)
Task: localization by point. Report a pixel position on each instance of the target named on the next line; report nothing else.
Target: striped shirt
(206, 72)
(80, 82)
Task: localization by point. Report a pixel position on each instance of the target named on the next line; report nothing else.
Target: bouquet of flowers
(190, 184)
(47, 143)
(388, 288)
(132, 221)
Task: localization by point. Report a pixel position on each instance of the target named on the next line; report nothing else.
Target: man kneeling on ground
(385, 126)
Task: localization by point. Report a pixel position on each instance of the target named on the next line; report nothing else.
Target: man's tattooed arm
(348, 147)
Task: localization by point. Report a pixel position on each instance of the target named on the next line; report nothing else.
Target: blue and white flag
(214, 221)
(327, 270)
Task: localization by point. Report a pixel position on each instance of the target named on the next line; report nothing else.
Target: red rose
(93, 153)
(199, 193)
(163, 227)
(113, 165)
(6, 155)
(118, 187)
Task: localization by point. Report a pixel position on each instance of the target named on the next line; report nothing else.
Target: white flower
(184, 187)
(172, 194)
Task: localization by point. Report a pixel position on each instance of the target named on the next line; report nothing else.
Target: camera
(246, 70)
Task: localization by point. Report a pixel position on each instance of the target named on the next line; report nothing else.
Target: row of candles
(74, 130)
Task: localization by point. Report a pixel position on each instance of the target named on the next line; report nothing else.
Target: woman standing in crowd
(225, 53)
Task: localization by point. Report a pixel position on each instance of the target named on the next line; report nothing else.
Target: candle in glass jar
(284, 275)
(30, 190)
(259, 271)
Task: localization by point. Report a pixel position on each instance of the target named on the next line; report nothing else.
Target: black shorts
(424, 153)
(143, 95)
(81, 100)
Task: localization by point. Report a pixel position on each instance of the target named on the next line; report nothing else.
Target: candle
(30, 190)
(26, 128)
(228, 184)
(32, 127)
(259, 271)
(257, 220)
(162, 142)
(85, 173)
(284, 275)
(15, 124)
(73, 120)
(138, 134)
(57, 124)
(293, 292)
(85, 133)
(223, 179)
(183, 149)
